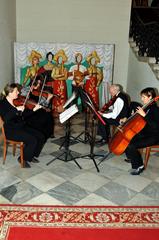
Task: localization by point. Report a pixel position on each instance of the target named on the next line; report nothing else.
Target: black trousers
(42, 121)
(139, 141)
(32, 138)
(104, 130)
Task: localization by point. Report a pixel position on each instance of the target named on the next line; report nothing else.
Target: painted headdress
(34, 54)
(93, 55)
(61, 53)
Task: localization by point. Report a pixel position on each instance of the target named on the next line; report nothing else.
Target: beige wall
(7, 37)
(74, 21)
(140, 76)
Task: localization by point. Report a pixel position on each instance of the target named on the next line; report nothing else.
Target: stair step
(133, 44)
(152, 60)
(155, 66)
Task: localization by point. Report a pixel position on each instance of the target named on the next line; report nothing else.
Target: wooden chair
(7, 142)
(154, 148)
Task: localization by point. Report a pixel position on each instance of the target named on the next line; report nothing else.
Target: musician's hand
(140, 111)
(37, 107)
(20, 108)
(100, 113)
(122, 120)
(60, 109)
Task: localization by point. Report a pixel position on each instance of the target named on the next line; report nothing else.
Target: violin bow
(42, 89)
(27, 96)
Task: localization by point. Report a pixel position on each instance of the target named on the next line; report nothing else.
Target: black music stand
(88, 103)
(67, 153)
(85, 132)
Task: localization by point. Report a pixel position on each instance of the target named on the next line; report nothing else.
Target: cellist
(149, 135)
(112, 113)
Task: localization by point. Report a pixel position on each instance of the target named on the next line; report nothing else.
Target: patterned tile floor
(64, 183)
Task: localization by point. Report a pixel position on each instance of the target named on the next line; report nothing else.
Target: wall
(74, 21)
(7, 37)
(140, 76)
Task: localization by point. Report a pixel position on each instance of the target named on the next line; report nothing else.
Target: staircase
(144, 36)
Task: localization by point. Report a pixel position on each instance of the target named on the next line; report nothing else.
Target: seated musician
(149, 135)
(43, 119)
(16, 127)
(120, 110)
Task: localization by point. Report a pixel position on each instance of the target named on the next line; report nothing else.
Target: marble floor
(62, 182)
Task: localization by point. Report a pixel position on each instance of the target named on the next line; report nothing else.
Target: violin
(110, 103)
(29, 104)
(44, 94)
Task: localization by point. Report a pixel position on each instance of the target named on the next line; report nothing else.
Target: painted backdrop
(105, 53)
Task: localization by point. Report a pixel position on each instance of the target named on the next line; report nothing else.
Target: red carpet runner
(78, 223)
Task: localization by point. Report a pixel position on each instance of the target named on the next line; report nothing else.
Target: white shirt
(117, 107)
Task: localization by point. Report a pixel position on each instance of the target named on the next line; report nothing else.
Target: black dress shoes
(127, 160)
(137, 171)
(25, 165)
(35, 160)
(102, 141)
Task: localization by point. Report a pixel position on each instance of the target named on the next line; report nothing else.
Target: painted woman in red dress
(94, 78)
(59, 75)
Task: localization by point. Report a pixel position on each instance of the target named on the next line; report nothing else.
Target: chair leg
(14, 149)
(21, 156)
(147, 155)
(4, 152)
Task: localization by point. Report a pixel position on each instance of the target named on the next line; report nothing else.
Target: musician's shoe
(35, 160)
(102, 141)
(26, 164)
(137, 171)
(127, 160)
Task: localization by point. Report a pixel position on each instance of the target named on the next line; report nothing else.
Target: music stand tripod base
(67, 153)
(65, 156)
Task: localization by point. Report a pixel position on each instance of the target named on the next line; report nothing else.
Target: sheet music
(64, 116)
(73, 96)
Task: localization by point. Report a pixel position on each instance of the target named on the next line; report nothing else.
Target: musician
(149, 135)
(43, 119)
(118, 111)
(16, 127)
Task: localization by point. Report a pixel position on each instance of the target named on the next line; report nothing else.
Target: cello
(127, 131)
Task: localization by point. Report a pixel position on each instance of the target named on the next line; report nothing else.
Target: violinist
(42, 120)
(116, 111)
(16, 127)
(148, 136)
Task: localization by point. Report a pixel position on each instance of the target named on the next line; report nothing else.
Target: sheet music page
(64, 116)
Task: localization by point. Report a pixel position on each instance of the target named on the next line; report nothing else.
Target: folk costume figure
(59, 75)
(46, 70)
(32, 71)
(77, 74)
(94, 78)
